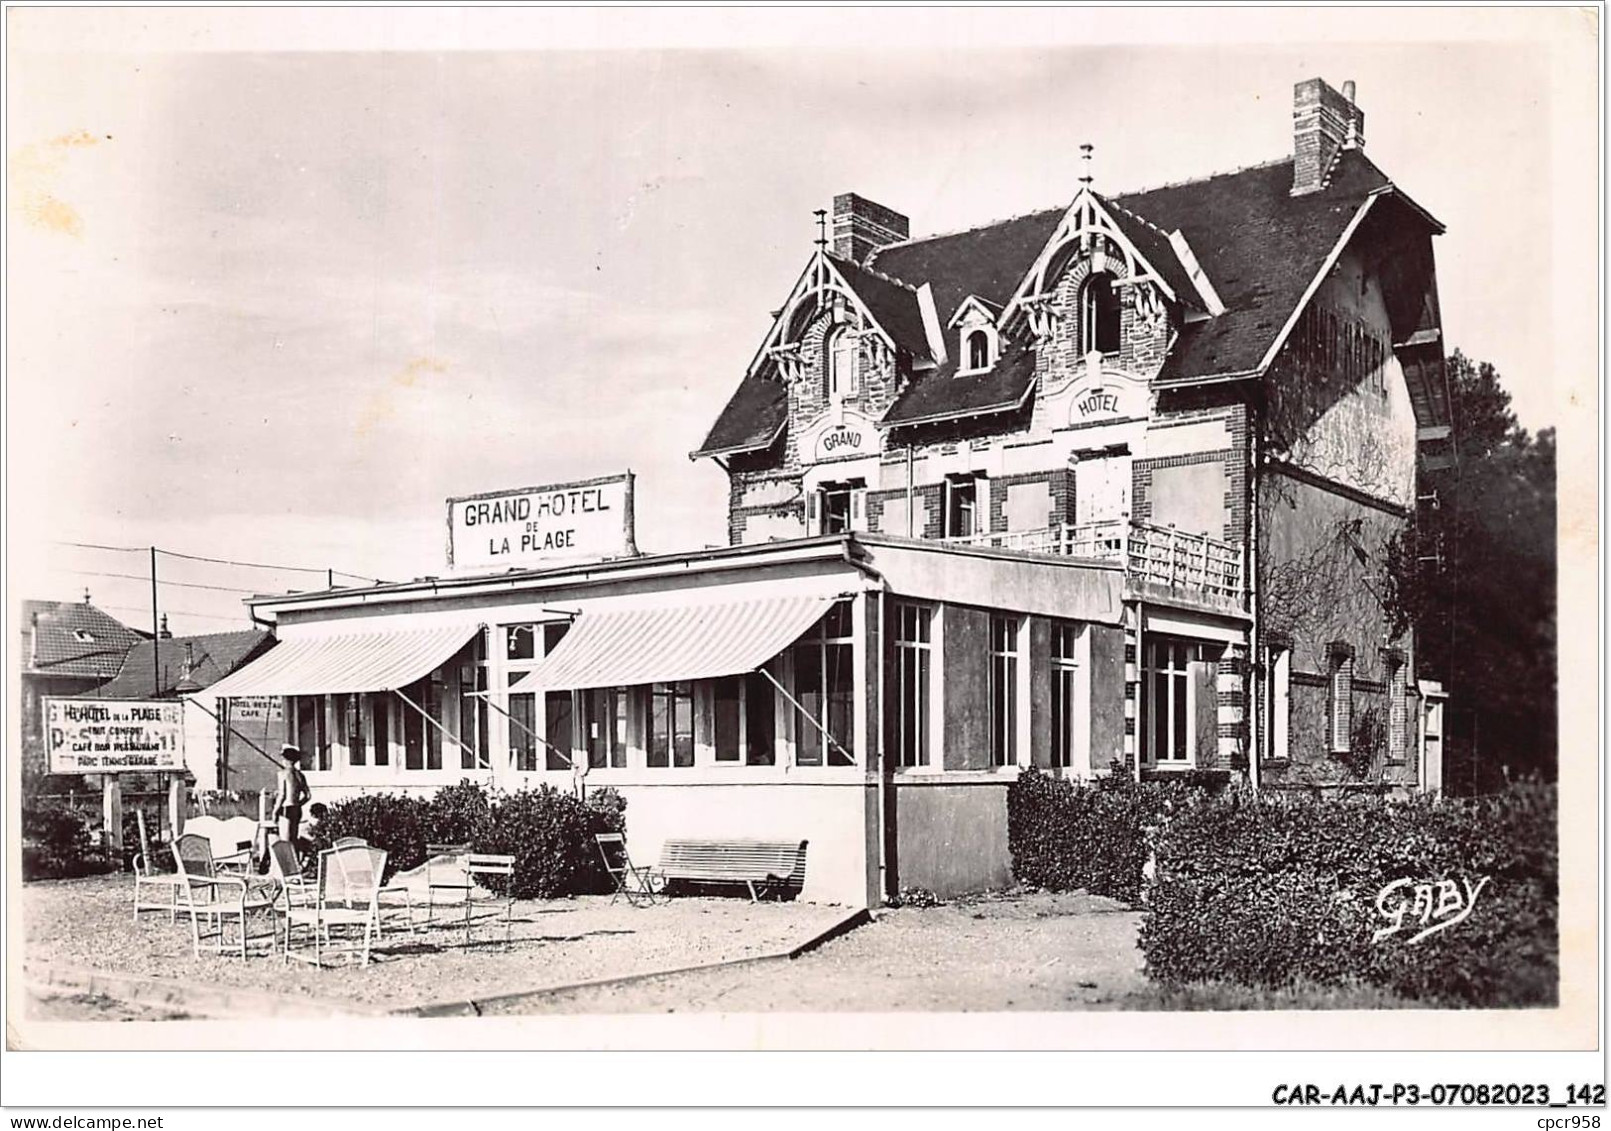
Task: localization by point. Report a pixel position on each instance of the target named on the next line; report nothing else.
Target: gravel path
(1038, 951)
(87, 923)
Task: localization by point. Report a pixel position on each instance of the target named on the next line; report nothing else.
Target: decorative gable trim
(973, 302)
(820, 281)
(1086, 217)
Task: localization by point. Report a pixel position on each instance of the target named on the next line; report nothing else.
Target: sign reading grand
(109, 736)
(534, 526)
(840, 435)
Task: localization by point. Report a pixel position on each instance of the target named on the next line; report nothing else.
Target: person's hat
(290, 752)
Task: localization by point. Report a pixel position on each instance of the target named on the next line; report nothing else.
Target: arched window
(839, 350)
(978, 350)
(1099, 314)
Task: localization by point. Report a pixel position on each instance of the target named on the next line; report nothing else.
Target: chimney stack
(1323, 122)
(861, 227)
(163, 633)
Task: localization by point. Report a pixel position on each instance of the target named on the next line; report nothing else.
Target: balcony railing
(1159, 558)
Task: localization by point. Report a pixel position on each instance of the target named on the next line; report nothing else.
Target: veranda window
(824, 685)
(1065, 683)
(1003, 690)
(913, 663)
(671, 725)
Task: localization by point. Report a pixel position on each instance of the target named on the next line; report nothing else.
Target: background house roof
(74, 639)
(212, 657)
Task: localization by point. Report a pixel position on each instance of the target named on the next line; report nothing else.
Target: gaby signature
(1435, 906)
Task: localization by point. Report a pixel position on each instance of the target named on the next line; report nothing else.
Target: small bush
(1067, 835)
(1273, 891)
(58, 842)
(549, 833)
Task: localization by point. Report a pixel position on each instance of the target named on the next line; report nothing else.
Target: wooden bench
(748, 862)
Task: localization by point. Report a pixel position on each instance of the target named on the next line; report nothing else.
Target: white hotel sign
(109, 736)
(534, 526)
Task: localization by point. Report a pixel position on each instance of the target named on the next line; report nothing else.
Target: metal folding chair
(640, 885)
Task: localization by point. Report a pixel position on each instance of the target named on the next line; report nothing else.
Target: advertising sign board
(534, 526)
(109, 736)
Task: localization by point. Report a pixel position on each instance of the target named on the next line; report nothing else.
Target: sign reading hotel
(1108, 400)
(536, 526)
(109, 736)
(258, 709)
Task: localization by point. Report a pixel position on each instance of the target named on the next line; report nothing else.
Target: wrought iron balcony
(1159, 561)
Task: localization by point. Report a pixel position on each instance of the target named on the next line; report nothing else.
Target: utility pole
(156, 633)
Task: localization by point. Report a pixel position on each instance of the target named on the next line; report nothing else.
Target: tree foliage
(1483, 600)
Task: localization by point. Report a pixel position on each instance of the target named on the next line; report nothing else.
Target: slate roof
(755, 413)
(892, 303)
(989, 262)
(213, 656)
(74, 639)
(1153, 244)
(1259, 246)
(941, 393)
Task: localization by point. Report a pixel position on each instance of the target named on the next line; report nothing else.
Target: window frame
(957, 489)
(1063, 651)
(839, 354)
(1005, 697)
(1177, 678)
(1099, 320)
(826, 648)
(912, 643)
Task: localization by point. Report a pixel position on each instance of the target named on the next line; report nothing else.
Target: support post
(112, 811)
(176, 806)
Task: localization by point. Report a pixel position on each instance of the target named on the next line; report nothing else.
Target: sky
(271, 304)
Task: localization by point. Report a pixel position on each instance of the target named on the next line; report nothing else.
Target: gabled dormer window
(1099, 314)
(839, 354)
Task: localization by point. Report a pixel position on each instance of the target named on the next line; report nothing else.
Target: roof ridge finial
(822, 227)
(1085, 156)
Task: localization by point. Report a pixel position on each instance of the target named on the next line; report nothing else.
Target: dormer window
(1099, 314)
(839, 351)
(83, 636)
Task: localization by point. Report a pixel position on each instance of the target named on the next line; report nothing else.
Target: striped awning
(339, 665)
(660, 645)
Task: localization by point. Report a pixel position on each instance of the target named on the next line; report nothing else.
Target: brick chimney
(1323, 122)
(861, 227)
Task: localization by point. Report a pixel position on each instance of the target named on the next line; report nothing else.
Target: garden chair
(640, 885)
(231, 840)
(145, 877)
(447, 869)
(213, 895)
(293, 888)
(347, 898)
(480, 864)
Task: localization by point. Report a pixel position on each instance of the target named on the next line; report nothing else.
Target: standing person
(293, 793)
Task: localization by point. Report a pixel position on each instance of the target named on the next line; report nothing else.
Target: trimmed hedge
(549, 833)
(1067, 835)
(1272, 890)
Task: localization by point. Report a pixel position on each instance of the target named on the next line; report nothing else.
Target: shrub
(1273, 890)
(1065, 835)
(386, 820)
(57, 842)
(549, 833)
